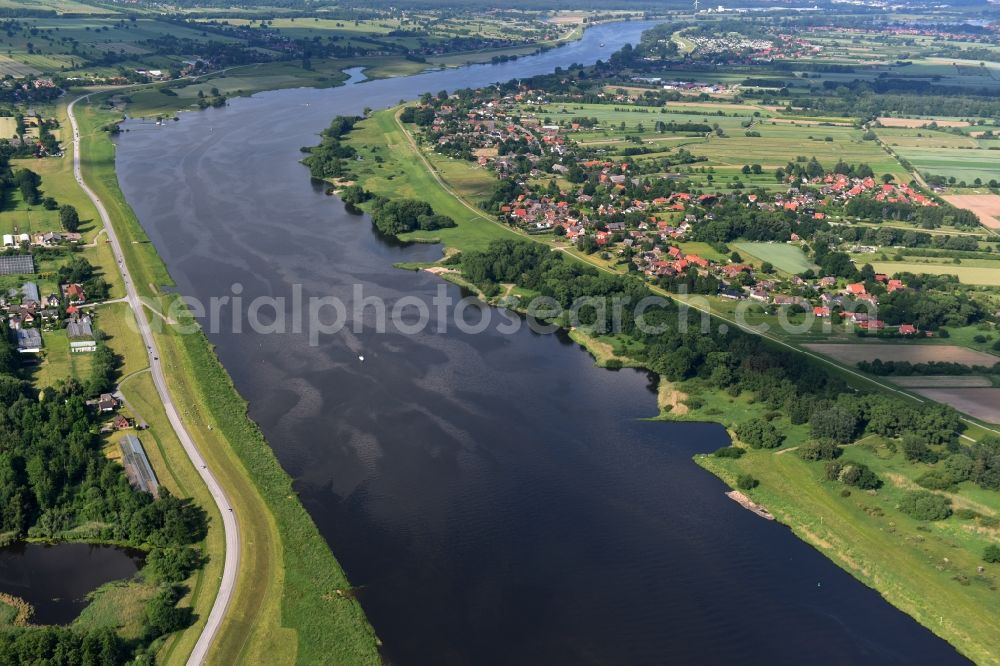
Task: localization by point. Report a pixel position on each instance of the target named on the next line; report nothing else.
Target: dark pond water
(496, 498)
(56, 579)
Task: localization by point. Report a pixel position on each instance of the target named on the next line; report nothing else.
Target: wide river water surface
(495, 497)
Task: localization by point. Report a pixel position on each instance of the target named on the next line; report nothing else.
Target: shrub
(853, 474)
(936, 479)
(729, 452)
(746, 482)
(823, 449)
(859, 476)
(992, 554)
(923, 505)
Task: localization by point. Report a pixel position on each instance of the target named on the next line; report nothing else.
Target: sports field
(784, 257)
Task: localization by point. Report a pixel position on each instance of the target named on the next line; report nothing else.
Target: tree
(28, 181)
(163, 616)
(992, 554)
(746, 482)
(759, 434)
(69, 218)
(915, 449)
(836, 424)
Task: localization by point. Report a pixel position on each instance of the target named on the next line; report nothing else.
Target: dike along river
(495, 497)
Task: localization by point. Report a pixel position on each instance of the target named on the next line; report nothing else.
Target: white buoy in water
(361, 358)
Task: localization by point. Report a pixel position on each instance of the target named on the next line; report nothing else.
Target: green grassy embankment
(290, 600)
(927, 570)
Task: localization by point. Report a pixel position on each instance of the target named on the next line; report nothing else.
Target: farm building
(13, 240)
(29, 341)
(18, 264)
(140, 472)
(30, 291)
(81, 336)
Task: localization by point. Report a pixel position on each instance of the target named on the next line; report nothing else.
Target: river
(496, 498)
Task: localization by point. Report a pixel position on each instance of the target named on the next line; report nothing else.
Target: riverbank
(912, 564)
(246, 80)
(290, 597)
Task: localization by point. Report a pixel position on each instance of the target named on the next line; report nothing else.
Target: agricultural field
(942, 381)
(784, 257)
(851, 354)
(980, 403)
(986, 206)
(962, 165)
(886, 121)
(986, 273)
(58, 6)
(781, 139)
(950, 153)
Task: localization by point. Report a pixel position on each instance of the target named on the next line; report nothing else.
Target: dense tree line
(928, 217)
(732, 220)
(397, 216)
(676, 345)
(329, 158)
(907, 369)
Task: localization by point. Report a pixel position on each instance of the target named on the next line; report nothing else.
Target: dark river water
(56, 579)
(496, 498)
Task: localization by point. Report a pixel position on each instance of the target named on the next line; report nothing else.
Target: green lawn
(784, 257)
(391, 167)
(703, 250)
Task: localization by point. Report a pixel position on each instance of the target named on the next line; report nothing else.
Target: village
(644, 220)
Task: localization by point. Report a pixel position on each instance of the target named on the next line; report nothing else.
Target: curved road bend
(232, 559)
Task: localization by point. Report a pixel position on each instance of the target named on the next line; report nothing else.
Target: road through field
(232, 559)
